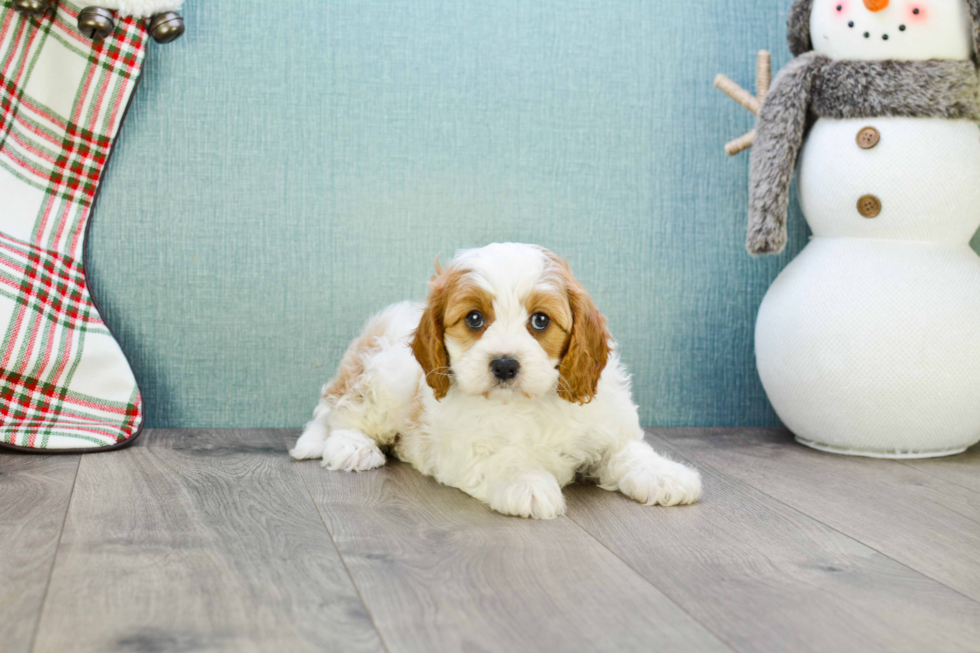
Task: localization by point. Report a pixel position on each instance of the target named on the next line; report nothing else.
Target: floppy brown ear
(428, 345)
(588, 347)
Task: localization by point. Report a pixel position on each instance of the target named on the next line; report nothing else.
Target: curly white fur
(512, 446)
(136, 8)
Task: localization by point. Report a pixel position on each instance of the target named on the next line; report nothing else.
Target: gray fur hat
(798, 27)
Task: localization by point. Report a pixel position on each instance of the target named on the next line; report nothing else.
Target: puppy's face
(511, 319)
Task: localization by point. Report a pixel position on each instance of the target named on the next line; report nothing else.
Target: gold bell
(34, 7)
(96, 22)
(166, 27)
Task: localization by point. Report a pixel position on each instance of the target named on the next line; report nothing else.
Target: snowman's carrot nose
(875, 5)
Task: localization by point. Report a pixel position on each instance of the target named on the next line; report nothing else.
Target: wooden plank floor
(215, 541)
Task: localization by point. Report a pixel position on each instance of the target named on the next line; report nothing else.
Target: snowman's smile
(869, 34)
(842, 9)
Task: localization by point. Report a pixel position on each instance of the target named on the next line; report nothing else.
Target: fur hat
(798, 27)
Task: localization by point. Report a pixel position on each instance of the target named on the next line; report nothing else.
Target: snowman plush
(868, 343)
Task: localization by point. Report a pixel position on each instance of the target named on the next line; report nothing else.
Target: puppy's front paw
(311, 443)
(662, 482)
(351, 451)
(533, 494)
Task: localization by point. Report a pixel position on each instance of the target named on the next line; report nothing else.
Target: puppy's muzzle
(504, 368)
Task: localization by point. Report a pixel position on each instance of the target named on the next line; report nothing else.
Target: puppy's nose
(505, 368)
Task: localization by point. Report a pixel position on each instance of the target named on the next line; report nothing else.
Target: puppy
(506, 385)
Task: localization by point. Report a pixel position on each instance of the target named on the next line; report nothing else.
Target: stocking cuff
(136, 8)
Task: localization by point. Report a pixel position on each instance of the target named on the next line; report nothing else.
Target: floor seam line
(646, 580)
(937, 476)
(343, 561)
(833, 528)
(54, 558)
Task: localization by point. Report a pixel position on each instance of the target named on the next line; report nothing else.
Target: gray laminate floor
(216, 541)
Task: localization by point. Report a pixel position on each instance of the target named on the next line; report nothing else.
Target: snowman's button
(868, 138)
(869, 206)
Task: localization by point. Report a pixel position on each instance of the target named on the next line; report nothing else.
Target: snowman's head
(873, 30)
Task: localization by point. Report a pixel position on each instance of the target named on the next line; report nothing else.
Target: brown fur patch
(352, 364)
(463, 301)
(554, 304)
(588, 343)
(451, 298)
(416, 413)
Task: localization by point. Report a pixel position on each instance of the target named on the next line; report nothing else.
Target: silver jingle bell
(166, 27)
(96, 22)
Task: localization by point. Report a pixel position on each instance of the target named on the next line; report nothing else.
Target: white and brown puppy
(506, 385)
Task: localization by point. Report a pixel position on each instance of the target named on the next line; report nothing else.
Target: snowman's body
(868, 343)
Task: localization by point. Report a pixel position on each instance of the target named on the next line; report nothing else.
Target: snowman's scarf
(814, 86)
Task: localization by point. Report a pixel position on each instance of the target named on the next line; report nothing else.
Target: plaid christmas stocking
(64, 382)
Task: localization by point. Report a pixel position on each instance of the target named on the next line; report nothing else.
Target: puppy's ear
(588, 346)
(428, 344)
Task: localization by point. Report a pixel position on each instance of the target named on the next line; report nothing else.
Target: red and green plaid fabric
(64, 381)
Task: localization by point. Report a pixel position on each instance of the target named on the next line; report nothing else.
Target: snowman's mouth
(884, 36)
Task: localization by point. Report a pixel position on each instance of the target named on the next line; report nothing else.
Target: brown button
(868, 138)
(869, 206)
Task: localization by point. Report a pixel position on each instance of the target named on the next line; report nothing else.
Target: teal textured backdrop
(289, 168)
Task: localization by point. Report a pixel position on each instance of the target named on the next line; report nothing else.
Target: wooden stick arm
(763, 79)
(737, 93)
(740, 144)
(763, 74)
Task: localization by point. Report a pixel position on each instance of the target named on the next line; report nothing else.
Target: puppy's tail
(314, 438)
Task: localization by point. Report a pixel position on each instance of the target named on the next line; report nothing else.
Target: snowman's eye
(840, 8)
(916, 14)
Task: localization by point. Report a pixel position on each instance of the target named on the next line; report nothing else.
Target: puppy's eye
(474, 320)
(540, 321)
